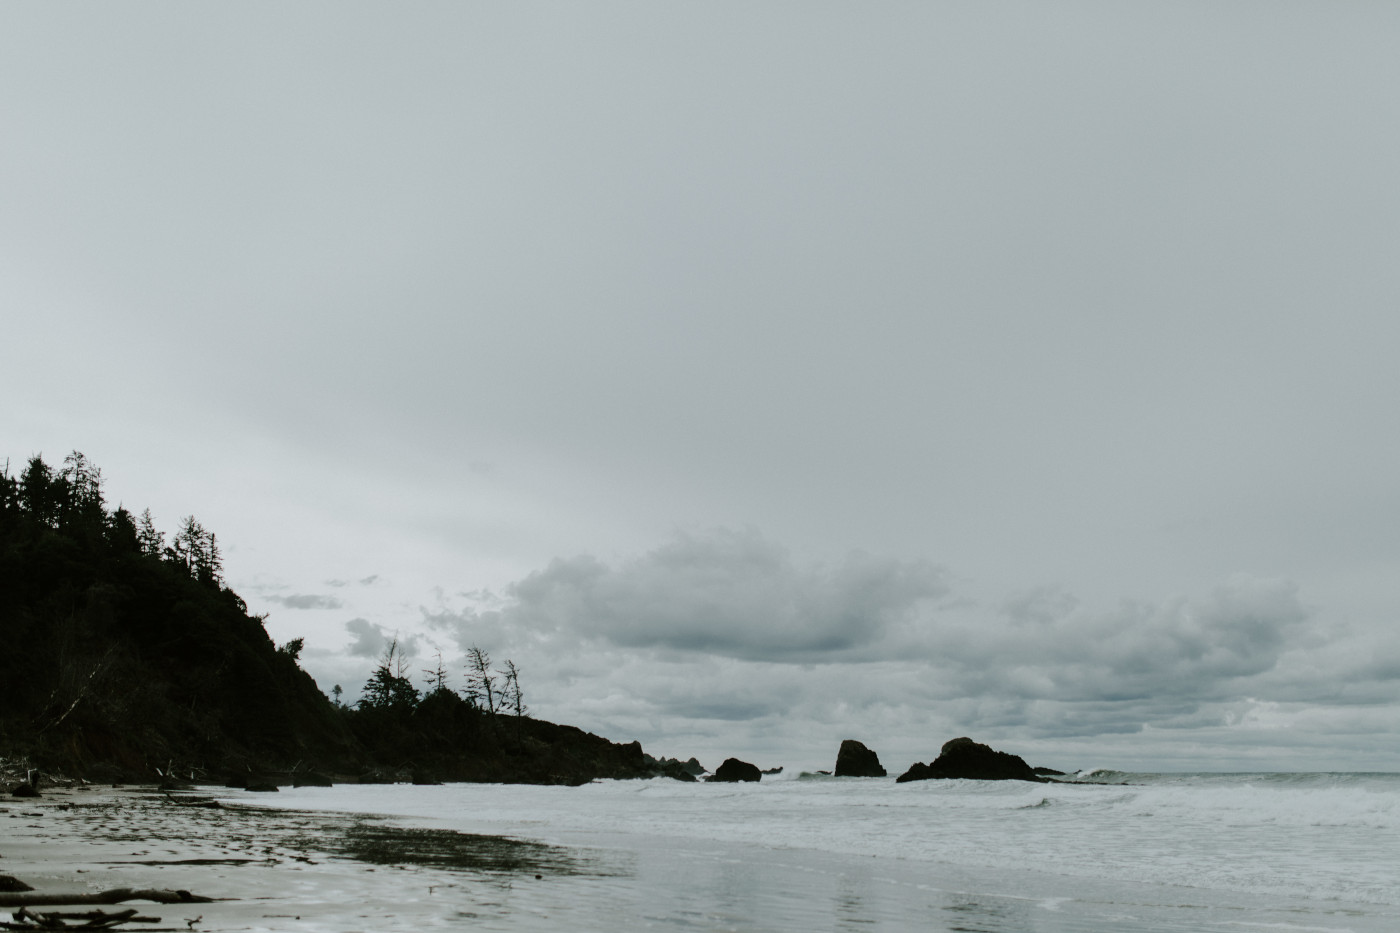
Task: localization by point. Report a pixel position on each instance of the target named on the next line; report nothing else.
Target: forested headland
(124, 656)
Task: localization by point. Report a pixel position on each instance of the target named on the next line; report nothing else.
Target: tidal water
(1139, 852)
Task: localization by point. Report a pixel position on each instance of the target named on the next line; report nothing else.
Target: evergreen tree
(387, 687)
(80, 492)
(9, 491)
(292, 649)
(196, 549)
(152, 541)
(121, 531)
(37, 493)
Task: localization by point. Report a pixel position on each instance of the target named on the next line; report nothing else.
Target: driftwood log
(113, 896)
(94, 920)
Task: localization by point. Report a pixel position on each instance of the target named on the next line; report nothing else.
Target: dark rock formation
(10, 884)
(964, 758)
(855, 760)
(1048, 772)
(733, 770)
(311, 779)
(673, 768)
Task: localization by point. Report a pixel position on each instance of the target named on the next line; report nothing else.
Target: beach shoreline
(264, 869)
(506, 858)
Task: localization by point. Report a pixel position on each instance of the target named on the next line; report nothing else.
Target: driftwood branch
(113, 896)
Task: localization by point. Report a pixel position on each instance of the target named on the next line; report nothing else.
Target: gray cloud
(742, 633)
(728, 593)
(726, 626)
(306, 601)
(370, 640)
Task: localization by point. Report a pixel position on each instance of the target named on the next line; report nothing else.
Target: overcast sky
(754, 376)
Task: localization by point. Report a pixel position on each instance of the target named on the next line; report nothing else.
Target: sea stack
(733, 771)
(855, 760)
(964, 758)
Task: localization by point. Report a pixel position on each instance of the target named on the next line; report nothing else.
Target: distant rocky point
(964, 758)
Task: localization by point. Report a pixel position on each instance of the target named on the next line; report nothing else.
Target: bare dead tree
(481, 685)
(510, 691)
(437, 676)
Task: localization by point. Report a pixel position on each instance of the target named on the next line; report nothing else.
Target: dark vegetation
(126, 657)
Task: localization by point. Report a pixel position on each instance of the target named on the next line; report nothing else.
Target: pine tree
(387, 687)
(152, 541)
(82, 490)
(37, 492)
(197, 550)
(9, 490)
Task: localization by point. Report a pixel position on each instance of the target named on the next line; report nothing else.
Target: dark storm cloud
(727, 593)
(306, 601)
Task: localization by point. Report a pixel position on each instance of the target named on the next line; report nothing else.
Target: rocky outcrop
(964, 758)
(674, 768)
(855, 760)
(733, 770)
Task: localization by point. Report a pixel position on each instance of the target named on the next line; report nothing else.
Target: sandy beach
(268, 870)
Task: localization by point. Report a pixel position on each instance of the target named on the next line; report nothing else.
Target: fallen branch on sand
(113, 896)
(95, 920)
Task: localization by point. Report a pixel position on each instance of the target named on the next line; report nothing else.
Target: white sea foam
(1322, 840)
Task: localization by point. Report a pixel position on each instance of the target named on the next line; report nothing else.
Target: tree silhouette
(38, 494)
(387, 687)
(197, 549)
(511, 697)
(79, 490)
(480, 690)
(437, 677)
(152, 541)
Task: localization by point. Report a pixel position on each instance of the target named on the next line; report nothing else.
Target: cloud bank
(727, 627)
(727, 593)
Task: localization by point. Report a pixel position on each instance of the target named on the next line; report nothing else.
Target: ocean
(1134, 852)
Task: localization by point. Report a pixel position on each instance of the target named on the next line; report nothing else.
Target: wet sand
(276, 869)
